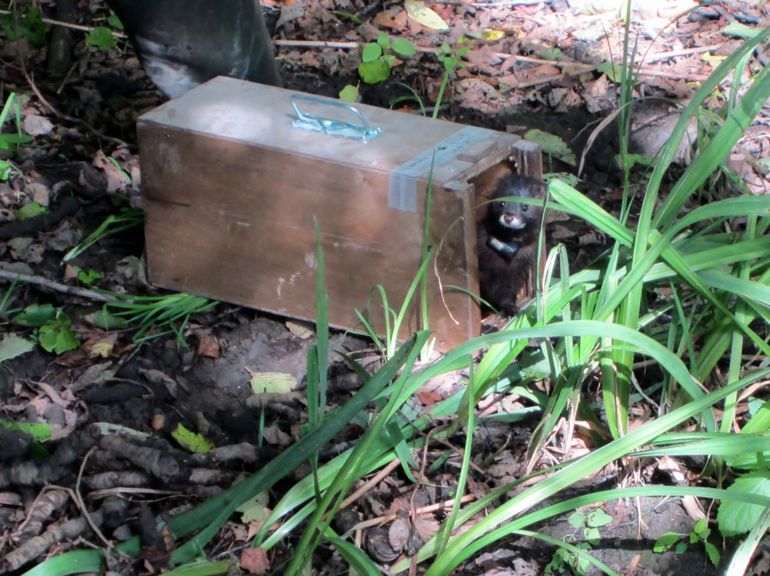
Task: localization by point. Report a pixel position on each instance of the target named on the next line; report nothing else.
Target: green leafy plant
(53, 327)
(114, 21)
(564, 560)
(378, 58)
(5, 170)
(451, 59)
(30, 210)
(101, 38)
(679, 542)
(87, 277)
(587, 523)
(377, 61)
(29, 26)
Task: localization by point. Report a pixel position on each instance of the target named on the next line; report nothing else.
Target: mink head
(513, 215)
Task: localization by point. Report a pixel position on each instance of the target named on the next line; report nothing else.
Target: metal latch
(359, 130)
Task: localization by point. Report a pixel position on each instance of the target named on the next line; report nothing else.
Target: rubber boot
(183, 43)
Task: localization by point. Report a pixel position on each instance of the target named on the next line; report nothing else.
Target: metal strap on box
(402, 181)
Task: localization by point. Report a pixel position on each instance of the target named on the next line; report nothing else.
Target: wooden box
(231, 190)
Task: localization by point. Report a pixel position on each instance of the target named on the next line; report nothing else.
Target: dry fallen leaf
(35, 125)
(208, 346)
(425, 16)
(255, 561)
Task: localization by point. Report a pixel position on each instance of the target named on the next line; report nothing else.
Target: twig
(335, 45)
(9, 276)
(673, 75)
(82, 505)
(683, 52)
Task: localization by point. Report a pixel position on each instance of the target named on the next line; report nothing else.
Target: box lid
(406, 149)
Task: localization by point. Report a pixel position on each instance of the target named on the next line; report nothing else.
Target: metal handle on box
(360, 131)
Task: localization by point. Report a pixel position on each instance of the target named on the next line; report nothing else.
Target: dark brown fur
(500, 278)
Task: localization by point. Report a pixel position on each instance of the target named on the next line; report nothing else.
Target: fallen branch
(10, 276)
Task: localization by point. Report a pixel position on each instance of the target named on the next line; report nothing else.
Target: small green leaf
(404, 47)
(191, 441)
(665, 542)
(701, 528)
(552, 145)
(713, 553)
(35, 315)
(371, 52)
(101, 38)
(5, 170)
(592, 535)
(598, 518)
(30, 210)
(612, 70)
(374, 72)
(89, 277)
(12, 346)
(9, 141)
(40, 431)
(577, 520)
(383, 40)
(57, 337)
(738, 30)
(105, 320)
(114, 21)
(681, 547)
(349, 93)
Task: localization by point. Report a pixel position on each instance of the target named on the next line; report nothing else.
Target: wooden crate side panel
(236, 223)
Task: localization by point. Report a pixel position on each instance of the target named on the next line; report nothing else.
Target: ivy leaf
(374, 72)
(57, 338)
(577, 520)
(404, 47)
(552, 145)
(349, 93)
(665, 542)
(371, 53)
(101, 38)
(598, 518)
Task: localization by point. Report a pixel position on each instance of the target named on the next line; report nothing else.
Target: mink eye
(524, 207)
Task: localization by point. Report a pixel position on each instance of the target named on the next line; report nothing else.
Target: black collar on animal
(506, 249)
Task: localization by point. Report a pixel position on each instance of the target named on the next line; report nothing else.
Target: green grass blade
(461, 546)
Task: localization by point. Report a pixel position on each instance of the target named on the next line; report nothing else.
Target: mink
(507, 241)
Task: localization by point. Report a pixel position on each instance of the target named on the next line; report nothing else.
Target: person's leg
(183, 43)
